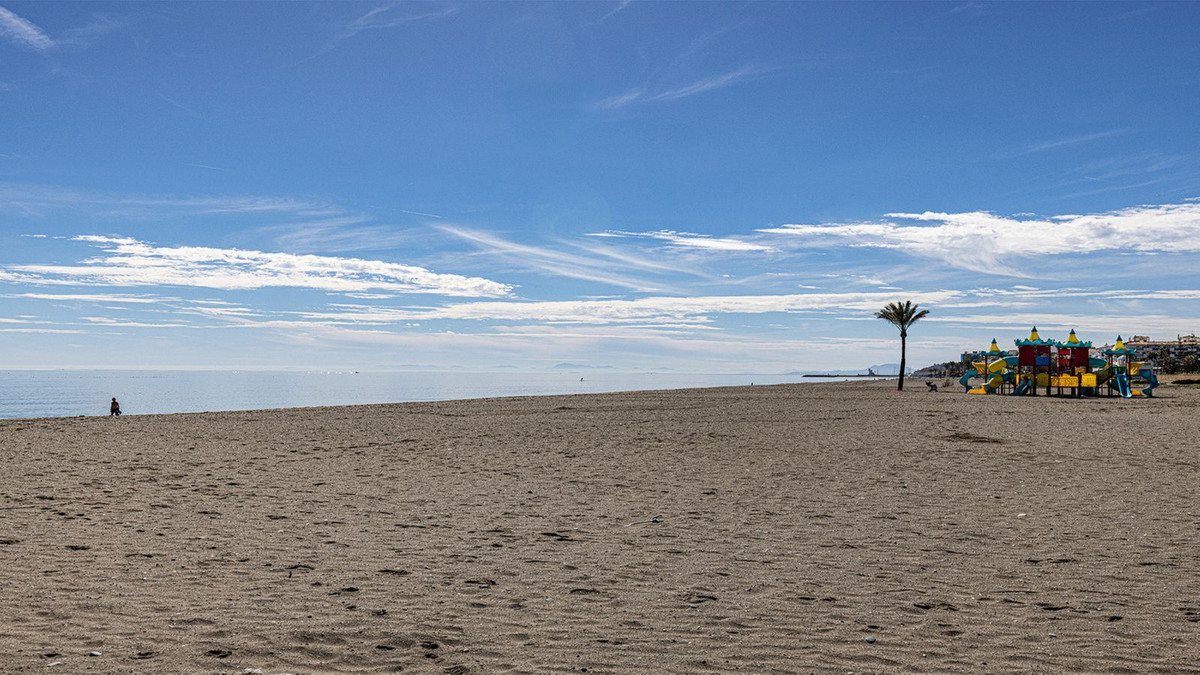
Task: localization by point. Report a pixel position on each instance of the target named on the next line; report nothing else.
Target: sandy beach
(761, 529)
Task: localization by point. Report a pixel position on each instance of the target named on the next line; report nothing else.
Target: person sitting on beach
(114, 410)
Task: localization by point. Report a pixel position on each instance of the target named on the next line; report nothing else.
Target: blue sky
(695, 186)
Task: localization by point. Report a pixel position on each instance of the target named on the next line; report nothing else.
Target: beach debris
(399, 573)
(1021, 515)
(429, 645)
(143, 655)
(939, 605)
(1051, 607)
(56, 663)
(871, 640)
(94, 654)
(655, 519)
(77, 547)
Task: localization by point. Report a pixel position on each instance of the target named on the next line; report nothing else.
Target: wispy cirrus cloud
(707, 84)
(84, 36)
(32, 198)
(376, 19)
(23, 32)
(1056, 143)
(129, 262)
(339, 234)
(653, 309)
(621, 5)
(563, 263)
(689, 240)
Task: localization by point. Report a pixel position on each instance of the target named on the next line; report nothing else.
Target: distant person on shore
(114, 410)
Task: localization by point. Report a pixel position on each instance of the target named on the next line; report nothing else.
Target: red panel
(1080, 357)
(1025, 356)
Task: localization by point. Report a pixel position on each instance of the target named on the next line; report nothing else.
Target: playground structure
(1060, 367)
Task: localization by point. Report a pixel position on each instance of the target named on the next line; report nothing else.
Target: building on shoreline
(1181, 346)
(1181, 355)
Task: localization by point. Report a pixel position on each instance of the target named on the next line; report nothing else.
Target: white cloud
(110, 322)
(92, 297)
(135, 263)
(1098, 328)
(690, 240)
(655, 309)
(979, 240)
(65, 331)
(23, 32)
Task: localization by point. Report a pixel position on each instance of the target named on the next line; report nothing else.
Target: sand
(761, 529)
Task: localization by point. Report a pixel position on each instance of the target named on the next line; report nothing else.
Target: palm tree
(902, 316)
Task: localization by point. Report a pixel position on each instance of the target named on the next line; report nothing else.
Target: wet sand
(760, 529)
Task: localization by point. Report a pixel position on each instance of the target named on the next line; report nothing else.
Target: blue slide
(1151, 381)
(1122, 381)
(971, 372)
(1023, 387)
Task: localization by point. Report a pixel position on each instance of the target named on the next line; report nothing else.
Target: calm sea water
(61, 393)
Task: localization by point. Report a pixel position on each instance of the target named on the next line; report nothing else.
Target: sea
(67, 393)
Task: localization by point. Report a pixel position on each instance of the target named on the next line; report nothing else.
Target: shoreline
(101, 411)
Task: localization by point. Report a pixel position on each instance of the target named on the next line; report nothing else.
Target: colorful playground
(1059, 368)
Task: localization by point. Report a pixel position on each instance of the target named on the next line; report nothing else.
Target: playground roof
(1120, 349)
(1072, 342)
(1034, 340)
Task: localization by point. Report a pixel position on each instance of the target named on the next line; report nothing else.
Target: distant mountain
(580, 366)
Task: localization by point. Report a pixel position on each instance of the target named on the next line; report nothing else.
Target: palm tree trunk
(903, 349)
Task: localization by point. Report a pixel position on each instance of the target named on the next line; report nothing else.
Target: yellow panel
(1088, 379)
